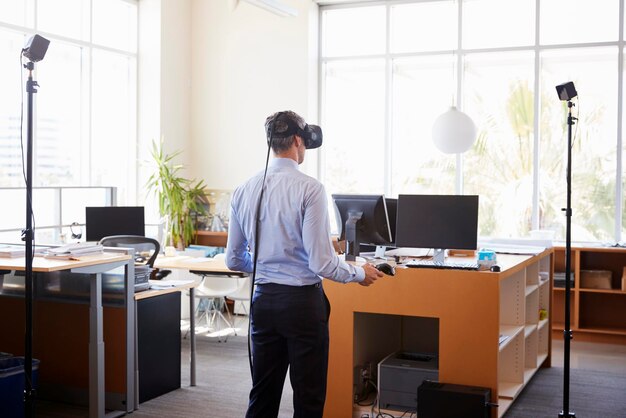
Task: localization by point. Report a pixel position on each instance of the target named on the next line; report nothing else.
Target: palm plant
(180, 199)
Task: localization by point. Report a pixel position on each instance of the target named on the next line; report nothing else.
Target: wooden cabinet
(595, 314)
(524, 332)
(486, 326)
(211, 239)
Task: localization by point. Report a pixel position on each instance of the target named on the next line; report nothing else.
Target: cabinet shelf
(603, 330)
(509, 390)
(510, 331)
(606, 291)
(530, 289)
(542, 323)
(503, 405)
(529, 329)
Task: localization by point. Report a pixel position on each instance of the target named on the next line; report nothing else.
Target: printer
(399, 376)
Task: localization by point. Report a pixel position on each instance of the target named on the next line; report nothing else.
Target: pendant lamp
(454, 132)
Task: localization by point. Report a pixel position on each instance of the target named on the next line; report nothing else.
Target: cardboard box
(595, 279)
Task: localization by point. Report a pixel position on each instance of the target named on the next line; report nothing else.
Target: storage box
(12, 386)
(595, 279)
(444, 400)
(559, 279)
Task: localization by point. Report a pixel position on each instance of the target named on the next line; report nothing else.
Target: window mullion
(536, 126)
(620, 108)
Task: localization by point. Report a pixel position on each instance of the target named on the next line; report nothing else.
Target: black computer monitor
(104, 221)
(362, 219)
(437, 221)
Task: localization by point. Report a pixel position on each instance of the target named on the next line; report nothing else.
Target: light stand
(34, 50)
(567, 92)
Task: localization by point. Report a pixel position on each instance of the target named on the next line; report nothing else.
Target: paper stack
(7, 251)
(74, 250)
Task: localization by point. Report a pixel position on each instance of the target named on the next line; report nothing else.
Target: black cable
(256, 238)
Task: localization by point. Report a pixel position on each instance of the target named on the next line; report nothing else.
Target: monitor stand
(380, 251)
(439, 255)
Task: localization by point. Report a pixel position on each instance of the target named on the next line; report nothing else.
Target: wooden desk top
(45, 265)
(209, 265)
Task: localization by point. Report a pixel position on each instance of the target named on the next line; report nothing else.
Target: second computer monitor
(104, 221)
(437, 221)
(362, 219)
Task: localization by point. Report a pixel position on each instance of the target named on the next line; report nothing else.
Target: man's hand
(371, 275)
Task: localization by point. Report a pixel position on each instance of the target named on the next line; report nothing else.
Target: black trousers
(289, 329)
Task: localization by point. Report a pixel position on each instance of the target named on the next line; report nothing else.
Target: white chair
(242, 293)
(213, 289)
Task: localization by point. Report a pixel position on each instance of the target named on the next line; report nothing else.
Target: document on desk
(167, 284)
(7, 251)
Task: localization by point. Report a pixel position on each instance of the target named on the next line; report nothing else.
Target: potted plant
(180, 200)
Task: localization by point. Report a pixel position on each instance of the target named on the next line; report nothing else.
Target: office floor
(591, 356)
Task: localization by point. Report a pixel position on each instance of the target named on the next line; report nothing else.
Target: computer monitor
(437, 221)
(105, 221)
(362, 219)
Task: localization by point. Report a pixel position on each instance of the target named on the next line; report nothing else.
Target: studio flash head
(566, 91)
(36, 48)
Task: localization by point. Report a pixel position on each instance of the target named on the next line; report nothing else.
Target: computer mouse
(495, 268)
(386, 269)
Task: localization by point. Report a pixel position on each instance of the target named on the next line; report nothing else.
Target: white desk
(95, 265)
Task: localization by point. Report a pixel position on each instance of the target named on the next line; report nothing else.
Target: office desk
(458, 314)
(194, 264)
(95, 265)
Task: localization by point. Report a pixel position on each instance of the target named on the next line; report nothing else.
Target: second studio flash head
(566, 91)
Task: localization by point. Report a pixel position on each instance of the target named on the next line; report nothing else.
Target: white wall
(211, 71)
(176, 47)
(247, 63)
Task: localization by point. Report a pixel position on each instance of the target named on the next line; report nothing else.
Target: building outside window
(388, 69)
(85, 108)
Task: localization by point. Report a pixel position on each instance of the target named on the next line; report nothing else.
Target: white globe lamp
(454, 132)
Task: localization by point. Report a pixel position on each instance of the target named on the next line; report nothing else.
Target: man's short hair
(282, 143)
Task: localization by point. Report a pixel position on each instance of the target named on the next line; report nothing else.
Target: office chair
(140, 244)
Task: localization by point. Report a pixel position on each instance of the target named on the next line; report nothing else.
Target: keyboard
(430, 264)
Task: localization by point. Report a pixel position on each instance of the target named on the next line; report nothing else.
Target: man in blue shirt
(289, 311)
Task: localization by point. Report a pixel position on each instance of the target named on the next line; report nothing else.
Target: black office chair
(140, 244)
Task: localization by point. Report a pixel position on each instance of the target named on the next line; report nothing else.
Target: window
(85, 107)
(380, 98)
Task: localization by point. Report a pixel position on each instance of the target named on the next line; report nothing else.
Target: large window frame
(88, 169)
(460, 53)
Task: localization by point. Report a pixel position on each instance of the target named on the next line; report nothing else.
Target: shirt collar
(283, 163)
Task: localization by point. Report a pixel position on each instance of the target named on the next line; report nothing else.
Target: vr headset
(311, 134)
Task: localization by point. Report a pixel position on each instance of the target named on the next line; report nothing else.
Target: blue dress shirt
(294, 247)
